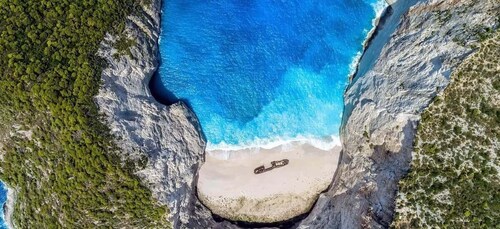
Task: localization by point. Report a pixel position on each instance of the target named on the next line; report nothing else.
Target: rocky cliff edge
(168, 137)
(407, 64)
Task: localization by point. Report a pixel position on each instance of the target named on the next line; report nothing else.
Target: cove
(262, 71)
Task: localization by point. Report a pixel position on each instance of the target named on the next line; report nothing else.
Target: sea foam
(326, 143)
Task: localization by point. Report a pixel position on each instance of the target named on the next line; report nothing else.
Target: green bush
(453, 170)
(67, 172)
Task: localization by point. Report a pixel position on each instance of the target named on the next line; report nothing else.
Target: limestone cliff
(407, 64)
(168, 136)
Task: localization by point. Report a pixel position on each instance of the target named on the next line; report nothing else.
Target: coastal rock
(406, 65)
(168, 137)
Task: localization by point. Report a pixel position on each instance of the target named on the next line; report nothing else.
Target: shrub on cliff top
(454, 182)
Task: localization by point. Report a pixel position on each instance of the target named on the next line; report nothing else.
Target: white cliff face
(384, 102)
(390, 2)
(168, 136)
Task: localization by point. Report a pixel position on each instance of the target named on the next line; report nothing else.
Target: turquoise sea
(262, 71)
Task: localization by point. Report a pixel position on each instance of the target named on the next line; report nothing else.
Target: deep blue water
(261, 70)
(3, 198)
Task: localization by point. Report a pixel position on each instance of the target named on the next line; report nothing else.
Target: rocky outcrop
(407, 64)
(169, 137)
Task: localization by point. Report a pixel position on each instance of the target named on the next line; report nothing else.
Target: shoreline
(376, 39)
(326, 143)
(381, 12)
(380, 9)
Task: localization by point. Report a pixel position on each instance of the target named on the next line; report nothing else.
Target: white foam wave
(379, 8)
(161, 27)
(326, 143)
(354, 64)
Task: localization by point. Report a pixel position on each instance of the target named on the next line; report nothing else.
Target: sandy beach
(228, 186)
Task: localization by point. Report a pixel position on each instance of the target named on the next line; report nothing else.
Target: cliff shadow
(160, 92)
(163, 96)
(387, 25)
(287, 224)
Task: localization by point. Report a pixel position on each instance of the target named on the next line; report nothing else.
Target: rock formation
(169, 136)
(405, 66)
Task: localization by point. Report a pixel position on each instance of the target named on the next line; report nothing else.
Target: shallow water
(259, 71)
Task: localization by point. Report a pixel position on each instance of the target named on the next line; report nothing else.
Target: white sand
(232, 190)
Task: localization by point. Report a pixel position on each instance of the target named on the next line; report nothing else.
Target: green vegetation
(61, 157)
(123, 45)
(443, 16)
(454, 180)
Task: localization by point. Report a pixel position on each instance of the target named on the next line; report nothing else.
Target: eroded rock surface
(169, 137)
(384, 102)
